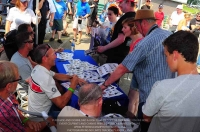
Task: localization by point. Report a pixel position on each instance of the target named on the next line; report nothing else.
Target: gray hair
(150, 20)
(8, 72)
(89, 93)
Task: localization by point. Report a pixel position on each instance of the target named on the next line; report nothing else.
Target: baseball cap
(24, 0)
(179, 7)
(123, 0)
(160, 6)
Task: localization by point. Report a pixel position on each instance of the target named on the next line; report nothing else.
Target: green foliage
(190, 9)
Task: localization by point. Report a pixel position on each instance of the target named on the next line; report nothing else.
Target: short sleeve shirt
(24, 66)
(160, 17)
(17, 17)
(82, 9)
(60, 9)
(42, 90)
(195, 22)
(175, 18)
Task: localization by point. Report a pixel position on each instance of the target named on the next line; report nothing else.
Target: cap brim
(145, 18)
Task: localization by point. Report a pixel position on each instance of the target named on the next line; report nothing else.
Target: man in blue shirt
(82, 12)
(60, 14)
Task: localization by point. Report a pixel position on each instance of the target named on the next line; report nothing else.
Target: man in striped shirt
(147, 60)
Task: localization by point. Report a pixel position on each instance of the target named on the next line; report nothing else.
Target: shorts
(90, 21)
(76, 25)
(57, 24)
(134, 84)
(69, 18)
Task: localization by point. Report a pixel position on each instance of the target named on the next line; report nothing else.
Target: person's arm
(153, 103)
(61, 101)
(41, 4)
(119, 72)
(7, 27)
(69, 7)
(180, 24)
(119, 40)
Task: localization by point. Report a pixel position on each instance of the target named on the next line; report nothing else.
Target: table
(79, 54)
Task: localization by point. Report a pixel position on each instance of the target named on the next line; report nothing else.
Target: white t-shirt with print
(17, 17)
(40, 101)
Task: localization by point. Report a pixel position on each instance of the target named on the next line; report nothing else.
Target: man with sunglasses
(21, 57)
(11, 118)
(147, 5)
(43, 94)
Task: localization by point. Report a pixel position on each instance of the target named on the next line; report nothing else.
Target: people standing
(159, 16)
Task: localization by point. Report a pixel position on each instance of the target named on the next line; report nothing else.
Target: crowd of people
(164, 89)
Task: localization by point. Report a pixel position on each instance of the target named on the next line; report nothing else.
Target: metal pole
(36, 25)
(140, 4)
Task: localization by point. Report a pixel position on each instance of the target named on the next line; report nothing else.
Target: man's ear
(176, 55)
(8, 87)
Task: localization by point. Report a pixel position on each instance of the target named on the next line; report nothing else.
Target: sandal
(78, 42)
(65, 34)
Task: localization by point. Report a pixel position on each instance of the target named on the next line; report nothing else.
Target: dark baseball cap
(160, 6)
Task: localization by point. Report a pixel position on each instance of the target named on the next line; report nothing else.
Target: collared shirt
(148, 62)
(176, 18)
(9, 118)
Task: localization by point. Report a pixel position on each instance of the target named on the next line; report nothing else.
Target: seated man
(21, 58)
(90, 101)
(43, 91)
(11, 119)
(172, 103)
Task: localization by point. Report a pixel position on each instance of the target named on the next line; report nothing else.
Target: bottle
(72, 46)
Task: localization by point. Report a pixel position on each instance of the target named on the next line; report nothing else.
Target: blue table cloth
(79, 54)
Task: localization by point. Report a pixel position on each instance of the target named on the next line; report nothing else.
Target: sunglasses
(30, 41)
(16, 80)
(198, 16)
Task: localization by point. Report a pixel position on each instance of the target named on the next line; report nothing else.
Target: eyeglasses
(47, 48)
(30, 41)
(198, 16)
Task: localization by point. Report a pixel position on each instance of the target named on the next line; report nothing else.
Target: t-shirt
(160, 17)
(42, 89)
(175, 18)
(17, 17)
(174, 103)
(82, 9)
(117, 54)
(145, 7)
(60, 9)
(195, 22)
(23, 64)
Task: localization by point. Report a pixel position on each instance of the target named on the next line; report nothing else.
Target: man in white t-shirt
(176, 17)
(43, 91)
(173, 104)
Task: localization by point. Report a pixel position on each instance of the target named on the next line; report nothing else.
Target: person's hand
(36, 126)
(64, 16)
(70, 12)
(74, 81)
(50, 23)
(101, 49)
(81, 81)
(37, 12)
(102, 87)
(59, 50)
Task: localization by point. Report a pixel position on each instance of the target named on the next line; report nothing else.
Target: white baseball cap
(180, 7)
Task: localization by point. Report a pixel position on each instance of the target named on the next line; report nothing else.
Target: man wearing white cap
(176, 17)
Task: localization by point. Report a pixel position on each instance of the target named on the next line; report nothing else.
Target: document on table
(106, 68)
(65, 56)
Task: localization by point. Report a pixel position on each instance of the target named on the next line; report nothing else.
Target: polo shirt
(42, 89)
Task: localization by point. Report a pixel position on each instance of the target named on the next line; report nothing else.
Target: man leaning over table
(43, 91)
(147, 60)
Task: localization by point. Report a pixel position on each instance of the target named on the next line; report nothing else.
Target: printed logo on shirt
(53, 90)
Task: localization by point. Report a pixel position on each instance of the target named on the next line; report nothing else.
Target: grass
(190, 9)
